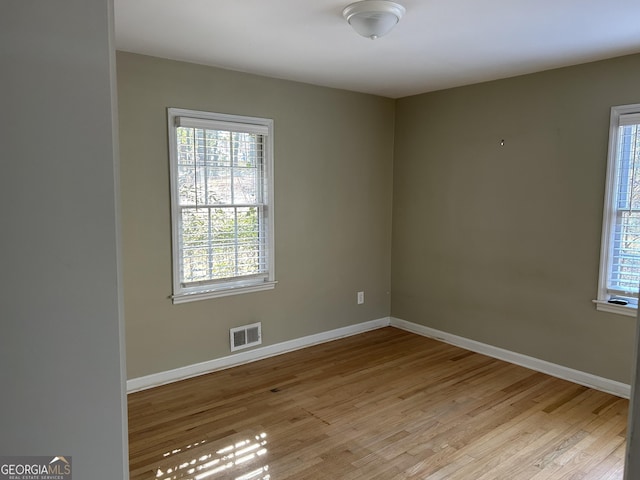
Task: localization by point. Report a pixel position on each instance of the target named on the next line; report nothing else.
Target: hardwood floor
(386, 404)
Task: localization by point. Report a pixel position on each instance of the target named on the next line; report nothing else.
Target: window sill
(223, 292)
(628, 310)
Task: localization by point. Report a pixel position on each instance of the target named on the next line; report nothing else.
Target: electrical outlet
(360, 298)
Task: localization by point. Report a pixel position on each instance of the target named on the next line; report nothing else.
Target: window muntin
(221, 204)
(620, 257)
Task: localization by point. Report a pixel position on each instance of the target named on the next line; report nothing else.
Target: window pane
(219, 186)
(185, 144)
(218, 148)
(247, 149)
(245, 185)
(187, 184)
(249, 252)
(624, 270)
(195, 245)
(205, 175)
(237, 241)
(628, 168)
(221, 243)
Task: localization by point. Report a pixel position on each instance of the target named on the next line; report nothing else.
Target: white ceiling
(438, 44)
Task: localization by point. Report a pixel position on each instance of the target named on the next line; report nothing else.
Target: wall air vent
(245, 336)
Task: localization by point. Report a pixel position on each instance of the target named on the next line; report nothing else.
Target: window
(221, 204)
(620, 256)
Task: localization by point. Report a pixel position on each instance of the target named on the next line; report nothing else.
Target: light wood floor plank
(385, 405)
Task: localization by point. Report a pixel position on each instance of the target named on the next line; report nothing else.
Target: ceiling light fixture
(373, 18)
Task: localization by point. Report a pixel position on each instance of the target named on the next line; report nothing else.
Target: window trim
(235, 285)
(609, 213)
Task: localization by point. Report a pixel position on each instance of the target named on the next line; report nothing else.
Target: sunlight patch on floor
(229, 462)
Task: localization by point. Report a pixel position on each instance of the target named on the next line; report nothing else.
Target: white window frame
(235, 285)
(603, 302)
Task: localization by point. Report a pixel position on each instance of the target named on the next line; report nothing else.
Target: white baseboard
(162, 378)
(565, 373)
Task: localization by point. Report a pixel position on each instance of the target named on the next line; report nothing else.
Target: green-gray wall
(333, 180)
(501, 244)
(496, 243)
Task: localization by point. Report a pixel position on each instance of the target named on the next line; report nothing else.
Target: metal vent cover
(245, 336)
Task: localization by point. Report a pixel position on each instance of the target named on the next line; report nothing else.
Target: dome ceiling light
(373, 18)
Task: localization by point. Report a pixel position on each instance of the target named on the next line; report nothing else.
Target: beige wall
(333, 171)
(501, 244)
